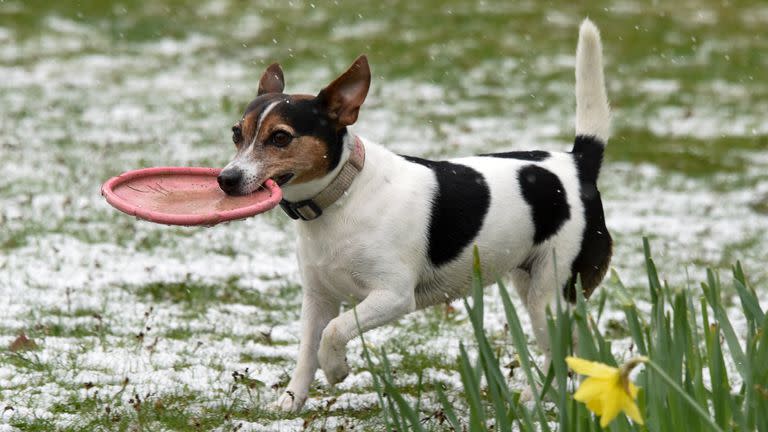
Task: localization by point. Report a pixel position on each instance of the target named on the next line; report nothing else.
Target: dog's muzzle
(229, 180)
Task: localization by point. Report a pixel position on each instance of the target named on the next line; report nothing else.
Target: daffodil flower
(607, 391)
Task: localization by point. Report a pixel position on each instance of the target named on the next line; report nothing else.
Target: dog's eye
(280, 139)
(237, 134)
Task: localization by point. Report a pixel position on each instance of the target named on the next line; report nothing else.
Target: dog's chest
(336, 260)
(373, 242)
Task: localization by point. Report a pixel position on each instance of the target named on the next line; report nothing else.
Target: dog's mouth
(283, 178)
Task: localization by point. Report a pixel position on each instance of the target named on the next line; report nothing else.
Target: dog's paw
(333, 362)
(332, 357)
(335, 372)
(289, 402)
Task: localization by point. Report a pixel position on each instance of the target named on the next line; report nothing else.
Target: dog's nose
(229, 180)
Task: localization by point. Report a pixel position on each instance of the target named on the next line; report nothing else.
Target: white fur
(592, 107)
(370, 247)
(251, 169)
(251, 166)
(263, 115)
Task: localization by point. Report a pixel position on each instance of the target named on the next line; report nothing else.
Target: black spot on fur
(588, 154)
(593, 259)
(262, 102)
(531, 155)
(546, 195)
(308, 118)
(458, 208)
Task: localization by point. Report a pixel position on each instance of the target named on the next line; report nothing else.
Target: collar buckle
(305, 210)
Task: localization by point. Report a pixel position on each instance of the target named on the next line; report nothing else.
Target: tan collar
(312, 208)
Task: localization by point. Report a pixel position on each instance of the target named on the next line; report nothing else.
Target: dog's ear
(343, 97)
(272, 81)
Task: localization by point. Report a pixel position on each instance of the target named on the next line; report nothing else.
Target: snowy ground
(120, 308)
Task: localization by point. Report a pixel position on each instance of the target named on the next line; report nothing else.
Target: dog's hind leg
(547, 281)
(521, 279)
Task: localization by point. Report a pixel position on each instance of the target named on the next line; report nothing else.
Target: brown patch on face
(311, 154)
(249, 126)
(270, 124)
(306, 156)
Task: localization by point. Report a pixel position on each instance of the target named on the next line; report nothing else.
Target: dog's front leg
(382, 306)
(316, 312)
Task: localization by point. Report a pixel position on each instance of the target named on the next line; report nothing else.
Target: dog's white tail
(593, 117)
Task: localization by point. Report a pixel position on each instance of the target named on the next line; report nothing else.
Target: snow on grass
(120, 307)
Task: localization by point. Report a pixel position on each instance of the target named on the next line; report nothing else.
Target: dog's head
(293, 139)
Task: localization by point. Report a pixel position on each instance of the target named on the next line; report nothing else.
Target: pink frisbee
(184, 196)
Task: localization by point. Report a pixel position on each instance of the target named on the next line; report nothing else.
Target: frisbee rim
(210, 218)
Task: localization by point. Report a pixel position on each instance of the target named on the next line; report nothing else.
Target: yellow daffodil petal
(592, 388)
(595, 406)
(633, 390)
(607, 391)
(630, 407)
(590, 368)
(611, 404)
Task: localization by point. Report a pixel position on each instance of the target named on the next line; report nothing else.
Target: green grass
(178, 411)
(196, 296)
(686, 155)
(151, 412)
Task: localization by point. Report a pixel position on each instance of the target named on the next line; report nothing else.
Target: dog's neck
(304, 191)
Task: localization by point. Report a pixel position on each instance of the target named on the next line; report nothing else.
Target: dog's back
(525, 209)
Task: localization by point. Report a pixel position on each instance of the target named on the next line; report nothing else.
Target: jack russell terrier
(395, 233)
